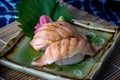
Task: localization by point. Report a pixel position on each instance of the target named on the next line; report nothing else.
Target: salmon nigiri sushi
(66, 51)
(63, 45)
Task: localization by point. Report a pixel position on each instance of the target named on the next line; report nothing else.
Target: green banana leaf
(29, 12)
(23, 54)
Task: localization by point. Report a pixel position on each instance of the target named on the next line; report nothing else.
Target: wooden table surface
(110, 70)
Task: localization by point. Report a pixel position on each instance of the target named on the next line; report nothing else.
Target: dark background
(105, 9)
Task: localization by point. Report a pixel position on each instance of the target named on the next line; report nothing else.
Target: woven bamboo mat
(111, 67)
